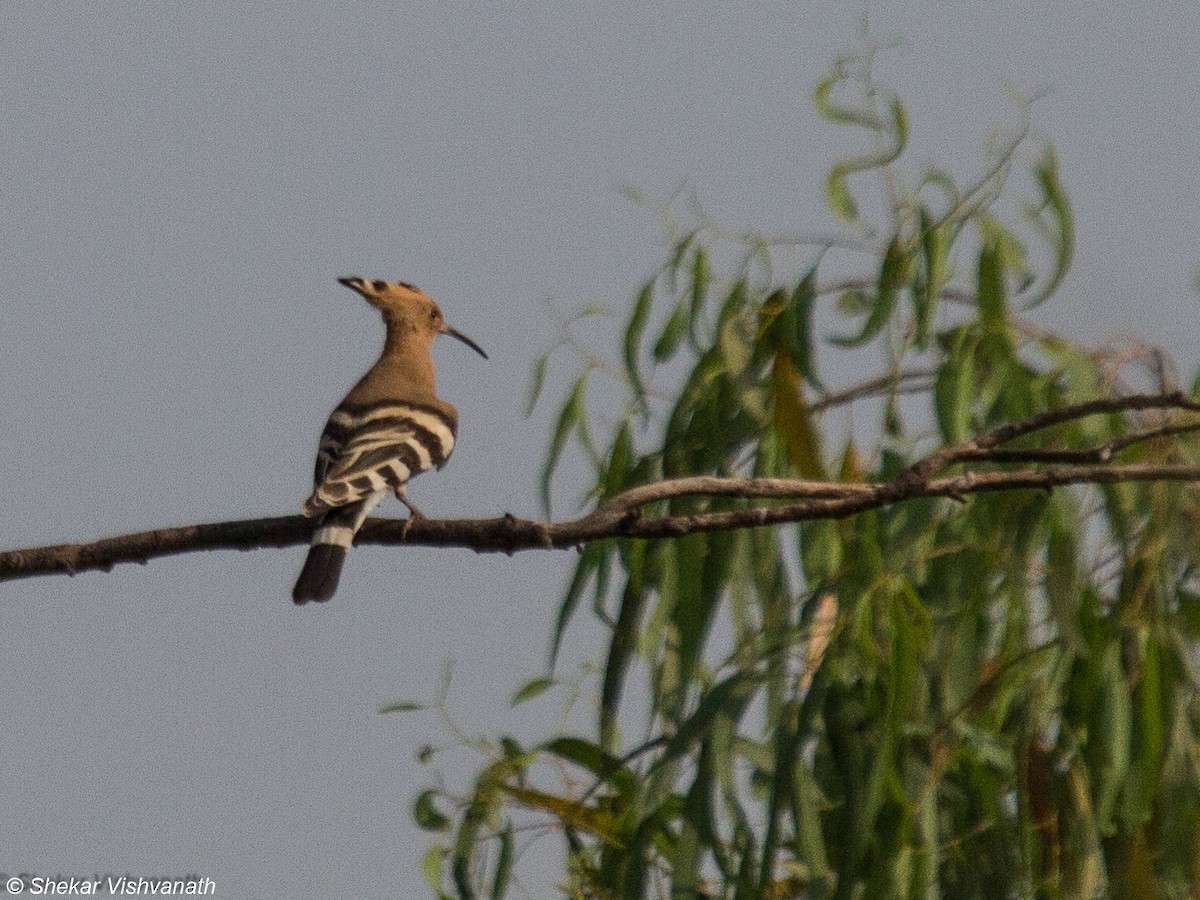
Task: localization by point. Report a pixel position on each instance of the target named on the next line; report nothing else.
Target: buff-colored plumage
(390, 427)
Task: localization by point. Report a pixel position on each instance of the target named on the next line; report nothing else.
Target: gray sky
(180, 189)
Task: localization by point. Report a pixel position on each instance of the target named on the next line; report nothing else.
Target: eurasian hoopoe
(391, 426)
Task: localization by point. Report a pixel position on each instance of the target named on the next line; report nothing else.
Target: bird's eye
(433, 314)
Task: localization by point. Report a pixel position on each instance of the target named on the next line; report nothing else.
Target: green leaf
(841, 115)
(1113, 737)
(954, 389)
(940, 179)
(403, 706)
(837, 193)
(795, 327)
(571, 812)
(727, 698)
(594, 556)
(1153, 706)
(672, 334)
(478, 811)
(794, 421)
(426, 815)
(1063, 229)
(700, 276)
(594, 759)
(993, 298)
(537, 381)
(584, 753)
(633, 339)
(1189, 612)
(620, 460)
(691, 606)
(504, 863)
(568, 417)
(1062, 576)
(623, 641)
(679, 252)
(786, 745)
(806, 805)
(934, 255)
(431, 867)
(534, 688)
(899, 125)
(893, 273)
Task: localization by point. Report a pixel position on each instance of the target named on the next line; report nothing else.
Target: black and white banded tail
(366, 452)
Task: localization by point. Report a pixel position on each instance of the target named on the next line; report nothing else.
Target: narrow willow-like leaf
(678, 252)
(1153, 704)
(841, 115)
(786, 742)
(686, 859)
(794, 420)
(806, 805)
(464, 850)
(594, 557)
(934, 255)
(727, 698)
(700, 276)
(1063, 577)
(571, 812)
(536, 383)
(596, 760)
(672, 334)
(1014, 257)
(533, 688)
(402, 706)
(504, 863)
(837, 194)
(893, 273)
(431, 867)
(620, 460)
(954, 389)
(426, 815)
(623, 641)
(1055, 198)
(1113, 736)
(821, 550)
(690, 608)
(633, 340)
(992, 292)
(568, 417)
(899, 126)
(943, 182)
(797, 328)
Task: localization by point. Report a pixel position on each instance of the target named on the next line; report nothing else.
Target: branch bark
(623, 515)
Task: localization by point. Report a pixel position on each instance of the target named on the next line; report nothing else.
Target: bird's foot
(413, 515)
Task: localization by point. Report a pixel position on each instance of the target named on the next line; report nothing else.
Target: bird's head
(407, 306)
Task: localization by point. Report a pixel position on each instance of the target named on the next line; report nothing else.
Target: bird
(390, 427)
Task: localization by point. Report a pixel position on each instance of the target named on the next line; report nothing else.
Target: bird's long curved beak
(446, 329)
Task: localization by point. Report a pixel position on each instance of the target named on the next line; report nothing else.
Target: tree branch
(622, 515)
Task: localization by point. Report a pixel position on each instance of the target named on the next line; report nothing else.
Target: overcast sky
(182, 183)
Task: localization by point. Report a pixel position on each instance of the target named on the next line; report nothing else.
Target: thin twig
(902, 383)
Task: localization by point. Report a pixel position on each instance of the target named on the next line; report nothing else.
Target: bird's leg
(413, 512)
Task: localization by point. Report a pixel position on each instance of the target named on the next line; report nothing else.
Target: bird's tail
(319, 578)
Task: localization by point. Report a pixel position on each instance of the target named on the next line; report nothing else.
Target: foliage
(992, 698)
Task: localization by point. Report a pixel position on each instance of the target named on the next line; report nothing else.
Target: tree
(959, 663)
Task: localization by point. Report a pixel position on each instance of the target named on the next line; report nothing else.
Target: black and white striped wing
(369, 450)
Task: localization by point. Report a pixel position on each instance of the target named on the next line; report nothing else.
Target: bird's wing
(364, 450)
